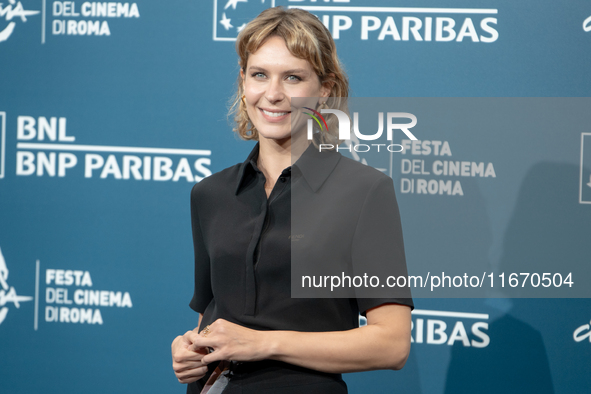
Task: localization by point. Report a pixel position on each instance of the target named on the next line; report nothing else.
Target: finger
(214, 356)
(188, 337)
(179, 350)
(201, 350)
(180, 366)
(202, 342)
(192, 336)
(198, 373)
(191, 375)
(175, 342)
(184, 356)
(187, 356)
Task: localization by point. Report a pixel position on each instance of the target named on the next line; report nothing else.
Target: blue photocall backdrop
(111, 111)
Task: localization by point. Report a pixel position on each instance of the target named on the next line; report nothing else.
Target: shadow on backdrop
(439, 232)
(548, 227)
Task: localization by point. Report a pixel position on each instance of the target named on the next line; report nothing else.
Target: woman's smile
(275, 115)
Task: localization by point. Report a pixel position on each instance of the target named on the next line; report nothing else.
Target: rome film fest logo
(231, 16)
(8, 293)
(587, 24)
(13, 10)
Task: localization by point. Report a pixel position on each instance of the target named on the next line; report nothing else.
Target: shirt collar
(314, 166)
(248, 169)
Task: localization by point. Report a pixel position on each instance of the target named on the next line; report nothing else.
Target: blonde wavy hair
(306, 38)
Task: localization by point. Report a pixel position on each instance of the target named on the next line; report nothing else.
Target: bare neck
(276, 156)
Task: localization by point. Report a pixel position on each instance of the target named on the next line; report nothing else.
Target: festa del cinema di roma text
(72, 307)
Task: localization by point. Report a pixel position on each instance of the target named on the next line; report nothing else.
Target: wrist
(270, 341)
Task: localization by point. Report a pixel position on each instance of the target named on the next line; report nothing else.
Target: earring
(243, 102)
(323, 105)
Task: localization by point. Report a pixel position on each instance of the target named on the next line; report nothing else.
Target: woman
(242, 235)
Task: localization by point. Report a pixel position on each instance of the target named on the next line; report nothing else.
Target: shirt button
(282, 179)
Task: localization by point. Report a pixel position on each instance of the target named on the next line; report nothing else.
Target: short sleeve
(378, 247)
(202, 295)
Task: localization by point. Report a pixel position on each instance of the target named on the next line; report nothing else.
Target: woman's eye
(258, 75)
(294, 78)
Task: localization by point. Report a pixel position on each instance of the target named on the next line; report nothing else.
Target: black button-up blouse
(243, 242)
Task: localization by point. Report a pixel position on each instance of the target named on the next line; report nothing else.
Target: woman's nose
(275, 92)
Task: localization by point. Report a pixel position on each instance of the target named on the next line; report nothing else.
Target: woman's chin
(277, 136)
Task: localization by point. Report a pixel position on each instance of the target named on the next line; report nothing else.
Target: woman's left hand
(230, 341)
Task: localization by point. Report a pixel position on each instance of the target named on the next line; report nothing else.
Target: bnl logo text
(345, 129)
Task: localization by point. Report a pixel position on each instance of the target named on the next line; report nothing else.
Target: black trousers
(275, 377)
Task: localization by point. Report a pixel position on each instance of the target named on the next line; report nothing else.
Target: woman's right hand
(186, 362)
